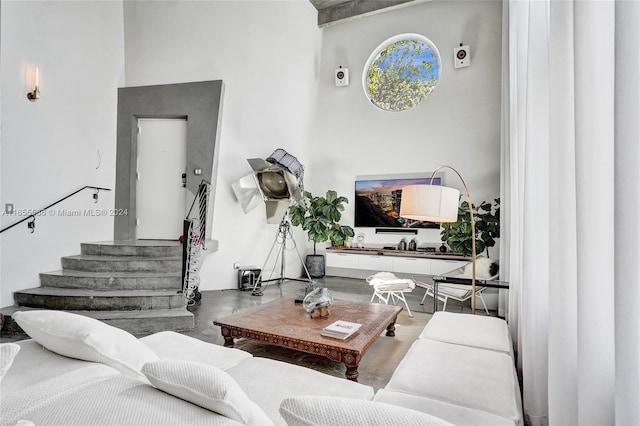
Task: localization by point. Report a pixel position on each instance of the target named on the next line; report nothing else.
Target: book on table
(340, 329)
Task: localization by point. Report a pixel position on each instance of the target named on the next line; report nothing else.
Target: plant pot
(315, 265)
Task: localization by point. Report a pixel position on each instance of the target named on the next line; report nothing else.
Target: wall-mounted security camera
(342, 76)
(461, 56)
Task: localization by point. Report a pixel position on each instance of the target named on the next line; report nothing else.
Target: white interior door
(160, 194)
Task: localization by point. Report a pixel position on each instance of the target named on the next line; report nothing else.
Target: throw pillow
(206, 386)
(317, 410)
(8, 352)
(486, 269)
(81, 337)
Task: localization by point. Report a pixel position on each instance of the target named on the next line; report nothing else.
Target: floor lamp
(436, 203)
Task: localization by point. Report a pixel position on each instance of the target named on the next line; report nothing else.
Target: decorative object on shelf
(320, 217)
(443, 248)
(402, 245)
(413, 245)
(317, 302)
(486, 216)
(440, 204)
(360, 240)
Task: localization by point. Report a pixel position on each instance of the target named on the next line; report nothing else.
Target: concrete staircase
(133, 285)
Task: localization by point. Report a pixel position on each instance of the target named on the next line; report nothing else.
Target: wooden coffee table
(284, 323)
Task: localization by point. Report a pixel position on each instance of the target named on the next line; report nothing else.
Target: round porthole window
(401, 72)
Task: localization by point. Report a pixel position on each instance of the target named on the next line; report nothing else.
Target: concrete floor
(379, 361)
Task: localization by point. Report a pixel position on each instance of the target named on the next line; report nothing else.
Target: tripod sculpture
(282, 236)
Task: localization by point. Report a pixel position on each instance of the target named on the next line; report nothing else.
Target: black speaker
(247, 279)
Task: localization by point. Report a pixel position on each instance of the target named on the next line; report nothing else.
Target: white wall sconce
(35, 94)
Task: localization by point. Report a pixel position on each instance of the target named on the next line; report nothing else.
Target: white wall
(278, 72)
(457, 125)
(267, 54)
(65, 140)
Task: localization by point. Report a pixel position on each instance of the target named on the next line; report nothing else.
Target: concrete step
(91, 300)
(92, 263)
(100, 281)
(145, 248)
(139, 323)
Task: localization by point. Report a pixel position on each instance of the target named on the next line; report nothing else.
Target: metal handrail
(33, 215)
(193, 243)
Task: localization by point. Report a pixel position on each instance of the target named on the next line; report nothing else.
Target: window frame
(392, 40)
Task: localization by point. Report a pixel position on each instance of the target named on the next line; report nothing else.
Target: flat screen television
(377, 203)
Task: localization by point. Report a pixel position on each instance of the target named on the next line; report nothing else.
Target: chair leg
(406, 305)
(483, 304)
(393, 297)
(426, 293)
(382, 297)
(444, 307)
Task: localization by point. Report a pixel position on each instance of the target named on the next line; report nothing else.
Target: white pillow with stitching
(81, 337)
(8, 352)
(315, 410)
(206, 386)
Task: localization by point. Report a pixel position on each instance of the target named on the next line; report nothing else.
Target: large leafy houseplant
(320, 217)
(457, 235)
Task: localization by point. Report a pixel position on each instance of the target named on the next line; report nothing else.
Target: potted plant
(457, 235)
(320, 217)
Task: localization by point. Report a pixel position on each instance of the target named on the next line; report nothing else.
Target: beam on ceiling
(349, 10)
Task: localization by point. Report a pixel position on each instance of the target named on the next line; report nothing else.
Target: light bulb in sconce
(35, 94)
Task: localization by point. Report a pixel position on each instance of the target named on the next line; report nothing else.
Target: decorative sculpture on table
(317, 302)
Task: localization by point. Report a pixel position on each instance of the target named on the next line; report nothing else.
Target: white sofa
(46, 387)
(466, 372)
(450, 375)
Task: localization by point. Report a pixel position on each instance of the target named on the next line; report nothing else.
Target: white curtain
(571, 191)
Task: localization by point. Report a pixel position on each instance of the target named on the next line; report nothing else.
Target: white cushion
(171, 345)
(460, 375)
(456, 414)
(8, 352)
(454, 290)
(85, 338)
(206, 386)
(469, 330)
(117, 400)
(267, 382)
(317, 410)
(486, 269)
(387, 281)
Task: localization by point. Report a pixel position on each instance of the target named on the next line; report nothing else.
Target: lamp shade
(432, 203)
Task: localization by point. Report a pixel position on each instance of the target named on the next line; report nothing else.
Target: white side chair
(486, 269)
(461, 293)
(386, 286)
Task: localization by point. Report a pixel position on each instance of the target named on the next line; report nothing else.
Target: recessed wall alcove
(200, 103)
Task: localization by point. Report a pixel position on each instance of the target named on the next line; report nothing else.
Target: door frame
(200, 103)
